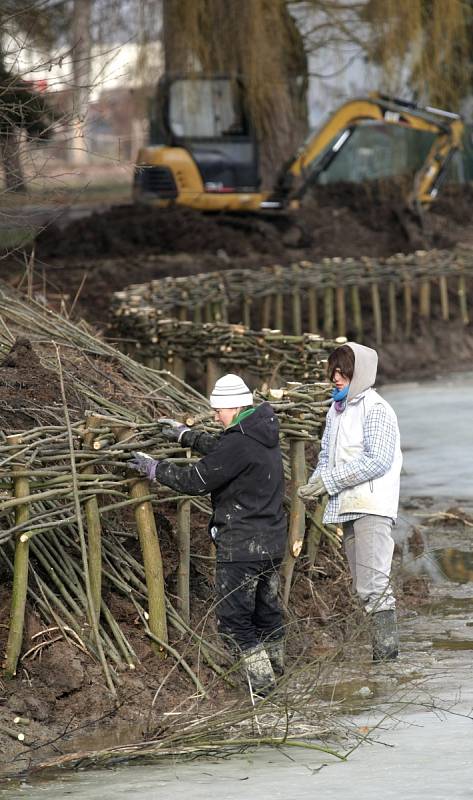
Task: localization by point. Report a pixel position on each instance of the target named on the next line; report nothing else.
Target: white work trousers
(369, 548)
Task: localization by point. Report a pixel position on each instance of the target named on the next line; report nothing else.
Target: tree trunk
(10, 144)
(81, 54)
(258, 41)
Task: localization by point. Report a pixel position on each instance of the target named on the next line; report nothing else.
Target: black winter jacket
(243, 472)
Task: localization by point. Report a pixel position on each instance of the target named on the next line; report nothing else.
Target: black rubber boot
(385, 636)
(275, 649)
(259, 670)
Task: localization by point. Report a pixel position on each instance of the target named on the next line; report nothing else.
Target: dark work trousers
(247, 605)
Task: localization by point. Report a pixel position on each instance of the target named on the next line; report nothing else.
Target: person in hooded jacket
(242, 470)
(359, 466)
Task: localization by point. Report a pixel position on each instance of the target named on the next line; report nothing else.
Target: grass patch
(17, 236)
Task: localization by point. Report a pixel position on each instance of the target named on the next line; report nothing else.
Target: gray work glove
(144, 464)
(310, 491)
(173, 430)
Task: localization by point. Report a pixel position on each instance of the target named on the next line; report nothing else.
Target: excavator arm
(323, 146)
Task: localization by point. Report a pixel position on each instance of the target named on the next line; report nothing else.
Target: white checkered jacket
(379, 441)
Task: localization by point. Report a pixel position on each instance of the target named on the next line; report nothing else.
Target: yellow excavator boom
(212, 174)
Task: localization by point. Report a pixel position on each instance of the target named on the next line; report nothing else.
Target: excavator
(204, 153)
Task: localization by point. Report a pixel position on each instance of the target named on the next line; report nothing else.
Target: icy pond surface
(420, 749)
(436, 422)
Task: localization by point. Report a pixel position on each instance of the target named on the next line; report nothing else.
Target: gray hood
(364, 374)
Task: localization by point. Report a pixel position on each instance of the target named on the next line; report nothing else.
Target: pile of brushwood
(105, 644)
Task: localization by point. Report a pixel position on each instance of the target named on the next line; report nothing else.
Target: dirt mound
(454, 203)
(335, 220)
(29, 393)
(126, 229)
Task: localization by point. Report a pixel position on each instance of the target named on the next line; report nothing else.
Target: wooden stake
(93, 524)
(341, 312)
(266, 311)
(328, 312)
(212, 374)
(356, 311)
(407, 307)
(444, 305)
(392, 309)
(279, 311)
(297, 515)
(152, 561)
(313, 315)
(377, 317)
(20, 574)
(424, 299)
(183, 572)
(296, 302)
(177, 366)
(463, 300)
(247, 301)
(314, 534)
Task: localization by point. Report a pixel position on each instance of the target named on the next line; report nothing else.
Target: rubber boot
(275, 649)
(385, 635)
(259, 670)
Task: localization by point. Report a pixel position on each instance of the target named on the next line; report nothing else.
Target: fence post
(341, 312)
(328, 312)
(313, 316)
(392, 308)
(407, 307)
(463, 301)
(247, 301)
(377, 318)
(266, 311)
(94, 527)
(20, 573)
(314, 533)
(152, 561)
(183, 571)
(443, 286)
(297, 513)
(424, 298)
(357, 315)
(212, 374)
(296, 302)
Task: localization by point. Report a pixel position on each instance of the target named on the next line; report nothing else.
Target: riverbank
(89, 719)
(72, 719)
(428, 692)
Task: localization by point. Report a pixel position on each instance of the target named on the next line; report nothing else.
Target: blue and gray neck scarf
(339, 398)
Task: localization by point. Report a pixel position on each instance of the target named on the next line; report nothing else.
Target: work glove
(173, 430)
(310, 491)
(144, 464)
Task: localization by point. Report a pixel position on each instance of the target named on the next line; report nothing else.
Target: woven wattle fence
(368, 299)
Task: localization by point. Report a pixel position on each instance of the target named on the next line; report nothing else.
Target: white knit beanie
(231, 392)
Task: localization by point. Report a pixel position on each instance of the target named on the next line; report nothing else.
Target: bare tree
(81, 56)
(24, 112)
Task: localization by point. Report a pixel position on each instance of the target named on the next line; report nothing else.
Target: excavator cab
(203, 133)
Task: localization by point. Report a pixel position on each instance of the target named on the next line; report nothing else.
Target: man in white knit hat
(242, 471)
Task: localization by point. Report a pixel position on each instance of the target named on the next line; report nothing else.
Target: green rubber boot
(259, 670)
(385, 636)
